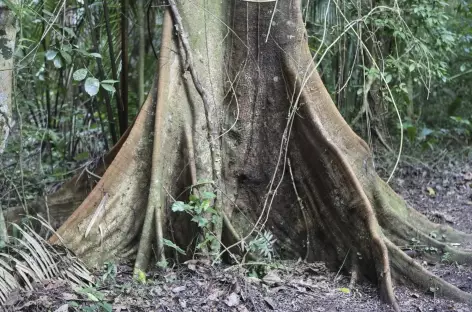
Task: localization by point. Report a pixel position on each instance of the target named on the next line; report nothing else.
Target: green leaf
(92, 297)
(163, 264)
(205, 204)
(178, 206)
(58, 62)
(66, 57)
(66, 47)
(169, 243)
(97, 55)
(109, 81)
(208, 195)
(107, 307)
(108, 87)
(345, 290)
(140, 276)
(201, 221)
(91, 86)
(411, 67)
(388, 78)
(193, 198)
(50, 55)
(462, 67)
(70, 31)
(80, 74)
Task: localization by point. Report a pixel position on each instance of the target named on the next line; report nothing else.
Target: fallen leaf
(178, 289)
(215, 295)
(272, 278)
(270, 302)
(232, 300)
(345, 290)
(242, 308)
(431, 191)
(69, 296)
(63, 308)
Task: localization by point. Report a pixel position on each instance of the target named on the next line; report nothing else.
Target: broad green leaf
(205, 204)
(201, 221)
(107, 307)
(193, 198)
(91, 86)
(66, 47)
(70, 31)
(108, 87)
(58, 61)
(169, 243)
(80, 74)
(109, 81)
(50, 55)
(92, 297)
(178, 206)
(66, 57)
(208, 195)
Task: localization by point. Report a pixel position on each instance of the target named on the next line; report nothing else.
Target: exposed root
(389, 202)
(402, 224)
(154, 219)
(357, 200)
(354, 271)
(405, 268)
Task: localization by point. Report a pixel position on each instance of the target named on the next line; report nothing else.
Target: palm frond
(29, 259)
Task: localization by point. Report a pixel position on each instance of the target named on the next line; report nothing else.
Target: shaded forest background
(399, 72)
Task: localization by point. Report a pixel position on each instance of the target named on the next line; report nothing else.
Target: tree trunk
(238, 109)
(7, 47)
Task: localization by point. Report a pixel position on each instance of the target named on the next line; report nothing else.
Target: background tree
(7, 47)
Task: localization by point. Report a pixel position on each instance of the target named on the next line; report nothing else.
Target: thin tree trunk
(7, 47)
(141, 56)
(124, 65)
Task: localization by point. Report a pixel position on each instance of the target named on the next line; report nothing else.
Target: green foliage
(61, 120)
(407, 55)
(95, 301)
(110, 271)
(262, 245)
(200, 208)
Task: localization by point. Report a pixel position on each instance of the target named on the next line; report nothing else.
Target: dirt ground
(442, 189)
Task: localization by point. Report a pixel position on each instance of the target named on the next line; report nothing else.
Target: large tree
(238, 109)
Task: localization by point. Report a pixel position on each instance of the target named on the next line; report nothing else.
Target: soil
(440, 189)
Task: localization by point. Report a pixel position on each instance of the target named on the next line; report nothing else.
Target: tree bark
(236, 100)
(7, 47)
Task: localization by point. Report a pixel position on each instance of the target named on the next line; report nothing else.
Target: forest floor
(440, 188)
